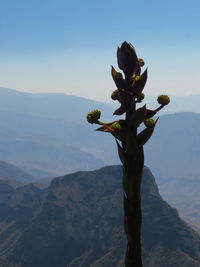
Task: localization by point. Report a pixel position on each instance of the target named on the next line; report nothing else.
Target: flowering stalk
(130, 143)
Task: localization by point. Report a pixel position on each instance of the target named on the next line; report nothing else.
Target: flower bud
(163, 100)
(117, 130)
(149, 122)
(116, 126)
(140, 97)
(127, 58)
(137, 78)
(141, 62)
(93, 116)
(115, 95)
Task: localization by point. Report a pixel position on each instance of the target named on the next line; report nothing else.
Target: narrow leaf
(119, 111)
(118, 78)
(138, 117)
(113, 72)
(144, 136)
(105, 128)
(150, 113)
(119, 57)
(139, 84)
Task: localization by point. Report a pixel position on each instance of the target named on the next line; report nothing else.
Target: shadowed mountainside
(77, 222)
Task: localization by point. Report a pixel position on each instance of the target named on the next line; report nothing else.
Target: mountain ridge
(11, 172)
(58, 144)
(78, 222)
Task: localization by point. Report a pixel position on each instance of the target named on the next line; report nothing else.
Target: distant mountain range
(173, 154)
(47, 135)
(10, 172)
(77, 222)
(41, 132)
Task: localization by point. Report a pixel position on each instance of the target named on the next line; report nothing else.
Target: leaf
(138, 117)
(114, 72)
(150, 113)
(119, 57)
(118, 78)
(119, 111)
(105, 128)
(144, 136)
(119, 135)
(138, 85)
(116, 128)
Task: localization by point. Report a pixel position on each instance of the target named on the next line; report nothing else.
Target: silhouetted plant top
(129, 85)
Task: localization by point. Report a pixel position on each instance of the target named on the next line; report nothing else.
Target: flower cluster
(94, 116)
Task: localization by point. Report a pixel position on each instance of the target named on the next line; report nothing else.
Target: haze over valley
(46, 135)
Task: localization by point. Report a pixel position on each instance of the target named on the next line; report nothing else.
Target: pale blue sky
(68, 46)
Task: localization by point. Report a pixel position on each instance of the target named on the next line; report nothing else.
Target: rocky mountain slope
(47, 135)
(78, 222)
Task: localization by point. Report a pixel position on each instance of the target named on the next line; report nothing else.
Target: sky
(68, 46)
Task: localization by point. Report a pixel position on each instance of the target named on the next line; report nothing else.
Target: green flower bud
(116, 126)
(93, 116)
(140, 97)
(163, 100)
(115, 95)
(149, 122)
(141, 62)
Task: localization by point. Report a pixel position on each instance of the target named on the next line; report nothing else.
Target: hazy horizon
(108, 100)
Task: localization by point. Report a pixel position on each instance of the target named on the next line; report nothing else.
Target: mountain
(41, 133)
(173, 154)
(36, 128)
(58, 107)
(40, 104)
(78, 221)
(176, 141)
(10, 172)
(43, 156)
(47, 135)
